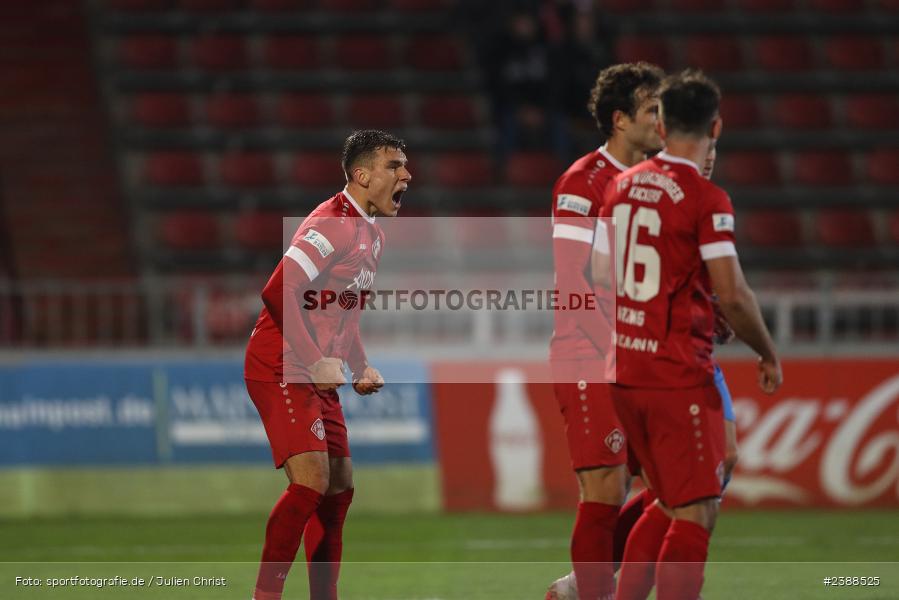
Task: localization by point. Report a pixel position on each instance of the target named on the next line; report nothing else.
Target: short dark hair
(690, 101)
(617, 88)
(361, 145)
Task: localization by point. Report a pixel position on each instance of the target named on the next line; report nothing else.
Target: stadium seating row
(779, 52)
(763, 6)
(303, 111)
(475, 169)
(231, 52)
(776, 228)
(275, 5)
(229, 110)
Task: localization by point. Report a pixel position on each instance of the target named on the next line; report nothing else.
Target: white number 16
(637, 254)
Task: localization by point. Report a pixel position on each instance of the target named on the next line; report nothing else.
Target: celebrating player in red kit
(674, 247)
(624, 102)
(294, 362)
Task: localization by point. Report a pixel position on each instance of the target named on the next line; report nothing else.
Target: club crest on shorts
(318, 428)
(615, 441)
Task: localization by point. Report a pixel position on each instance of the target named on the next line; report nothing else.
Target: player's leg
(598, 454)
(730, 427)
(323, 538)
(290, 414)
(602, 492)
(688, 433)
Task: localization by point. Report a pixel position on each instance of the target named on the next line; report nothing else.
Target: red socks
(591, 550)
(323, 540)
(282, 539)
(627, 517)
(637, 574)
(679, 573)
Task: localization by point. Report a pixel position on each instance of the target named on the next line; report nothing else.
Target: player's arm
(741, 309)
(573, 234)
(310, 253)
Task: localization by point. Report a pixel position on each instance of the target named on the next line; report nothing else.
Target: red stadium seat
(138, 5)
(317, 169)
(281, 5)
(259, 230)
(636, 48)
(419, 5)
(462, 170)
(363, 52)
(767, 5)
(448, 112)
(247, 170)
(845, 228)
(232, 111)
(160, 110)
(434, 53)
(376, 111)
(834, 5)
(749, 168)
(822, 167)
(854, 53)
(802, 111)
(883, 166)
(189, 230)
(698, 5)
(149, 52)
(173, 169)
(532, 169)
(771, 228)
(348, 5)
(305, 111)
(210, 5)
(740, 111)
(291, 52)
(873, 111)
(219, 52)
(627, 6)
(713, 52)
(783, 53)
(894, 228)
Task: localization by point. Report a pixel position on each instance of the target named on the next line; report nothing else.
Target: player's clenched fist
(369, 382)
(770, 375)
(327, 373)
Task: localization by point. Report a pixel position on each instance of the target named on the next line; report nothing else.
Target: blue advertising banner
(108, 412)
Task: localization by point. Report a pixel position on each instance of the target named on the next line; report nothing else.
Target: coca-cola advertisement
(828, 438)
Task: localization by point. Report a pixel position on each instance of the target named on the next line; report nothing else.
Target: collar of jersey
(604, 150)
(358, 208)
(677, 159)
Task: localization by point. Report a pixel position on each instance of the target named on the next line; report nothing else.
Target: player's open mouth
(397, 198)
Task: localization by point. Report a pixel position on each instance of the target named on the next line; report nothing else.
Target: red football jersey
(335, 249)
(577, 199)
(669, 219)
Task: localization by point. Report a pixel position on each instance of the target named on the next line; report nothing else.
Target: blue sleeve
(726, 402)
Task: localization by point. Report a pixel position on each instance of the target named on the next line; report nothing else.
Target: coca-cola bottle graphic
(516, 447)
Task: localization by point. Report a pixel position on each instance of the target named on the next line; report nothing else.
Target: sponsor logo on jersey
(362, 280)
(320, 242)
(615, 441)
(318, 428)
(376, 248)
(723, 222)
(577, 204)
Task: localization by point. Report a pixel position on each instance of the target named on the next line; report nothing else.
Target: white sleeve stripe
(573, 232)
(302, 259)
(601, 241)
(717, 250)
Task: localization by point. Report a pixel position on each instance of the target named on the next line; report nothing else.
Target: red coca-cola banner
(828, 438)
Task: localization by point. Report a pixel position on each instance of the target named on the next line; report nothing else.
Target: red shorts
(678, 437)
(595, 435)
(299, 418)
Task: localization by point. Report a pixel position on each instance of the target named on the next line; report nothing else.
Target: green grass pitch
(421, 556)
